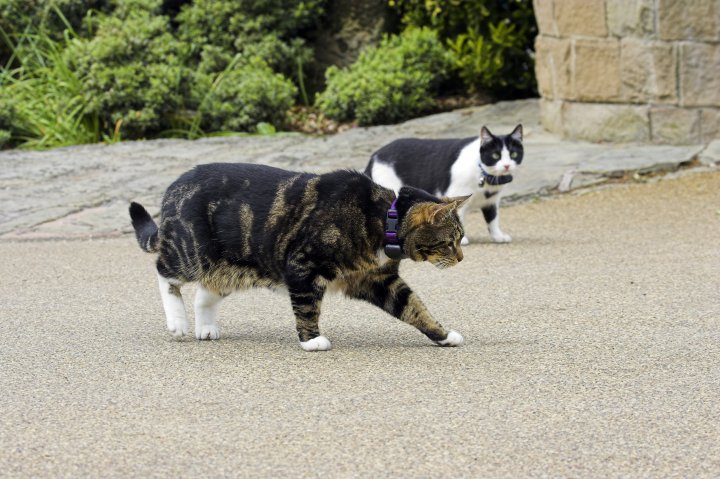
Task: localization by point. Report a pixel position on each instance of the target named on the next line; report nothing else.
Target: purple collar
(392, 243)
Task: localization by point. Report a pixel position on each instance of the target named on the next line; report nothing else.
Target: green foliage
(48, 17)
(7, 113)
(491, 40)
(76, 71)
(132, 72)
(254, 28)
(388, 83)
(43, 103)
(231, 23)
(242, 96)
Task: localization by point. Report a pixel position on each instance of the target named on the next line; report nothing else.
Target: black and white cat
(454, 167)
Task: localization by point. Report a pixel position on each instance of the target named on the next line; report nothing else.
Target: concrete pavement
(592, 350)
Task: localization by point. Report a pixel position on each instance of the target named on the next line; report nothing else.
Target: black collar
(494, 180)
(392, 243)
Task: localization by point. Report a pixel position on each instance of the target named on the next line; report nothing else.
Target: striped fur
(239, 226)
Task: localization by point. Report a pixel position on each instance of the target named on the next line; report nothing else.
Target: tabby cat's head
(431, 229)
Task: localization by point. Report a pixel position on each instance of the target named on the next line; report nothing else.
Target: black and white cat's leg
(206, 306)
(173, 305)
(492, 218)
(390, 293)
(306, 298)
(461, 215)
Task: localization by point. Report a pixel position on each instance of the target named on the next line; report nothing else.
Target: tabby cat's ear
(439, 211)
(485, 135)
(517, 133)
(458, 201)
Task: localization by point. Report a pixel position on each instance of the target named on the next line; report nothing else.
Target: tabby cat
(454, 167)
(236, 226)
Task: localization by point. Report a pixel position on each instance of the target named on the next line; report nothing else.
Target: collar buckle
(392, 244)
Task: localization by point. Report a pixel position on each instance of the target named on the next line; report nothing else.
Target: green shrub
(230, 24)
(7, 113)
(50, 17)
(491, 40)
(43, 101)
(243, 96)
(132, 72)
(264, 28)
(388, 83)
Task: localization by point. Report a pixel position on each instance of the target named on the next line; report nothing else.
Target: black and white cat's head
(501, 154)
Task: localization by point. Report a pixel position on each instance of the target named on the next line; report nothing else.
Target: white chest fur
(466, 178)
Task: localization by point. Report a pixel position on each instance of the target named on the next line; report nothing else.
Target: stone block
(553, 67)
(710, 124)
(675, 126)
(699, 74)
(711, 154)
(631, 18)
(648, 71)
(605, 122)
(544, 16)
(580, 17)
(551, 116)
(697, 20)
(596, 74)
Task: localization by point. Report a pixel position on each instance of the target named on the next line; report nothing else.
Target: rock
(675, 126)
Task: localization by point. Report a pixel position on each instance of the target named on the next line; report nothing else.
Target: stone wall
(630, 70)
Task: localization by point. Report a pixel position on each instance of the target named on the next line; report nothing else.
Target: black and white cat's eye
(513, 155)
(496, 156)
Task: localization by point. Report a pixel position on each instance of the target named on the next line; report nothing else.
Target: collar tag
(392, 247)
(494, 180)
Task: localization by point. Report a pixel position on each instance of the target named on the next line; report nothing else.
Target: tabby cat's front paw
(453, 339)
(320, 343)
(501, 237)
(208, 331)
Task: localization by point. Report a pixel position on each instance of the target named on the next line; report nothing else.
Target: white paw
(501, 237)
(208, 331)
(453, 339)
(177, 326)
(321, 343)
(464, 241)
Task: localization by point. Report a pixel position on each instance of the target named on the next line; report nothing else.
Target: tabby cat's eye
(496, 156)
(513, 155)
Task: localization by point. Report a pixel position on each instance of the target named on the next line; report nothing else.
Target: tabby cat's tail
(146, 231)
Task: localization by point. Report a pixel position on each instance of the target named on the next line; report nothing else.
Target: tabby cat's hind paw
(320, 343)
(177, 326)
(453, 339)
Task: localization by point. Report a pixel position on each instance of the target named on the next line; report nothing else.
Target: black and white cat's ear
(517, 133)
(485, 135)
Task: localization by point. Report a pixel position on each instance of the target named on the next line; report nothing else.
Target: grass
(49, 108)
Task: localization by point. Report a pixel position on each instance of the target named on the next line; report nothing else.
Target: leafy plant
(267, 29)
(387, 83)
(132, 72)
(242, 96)
(491, 40)
(45, 104)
